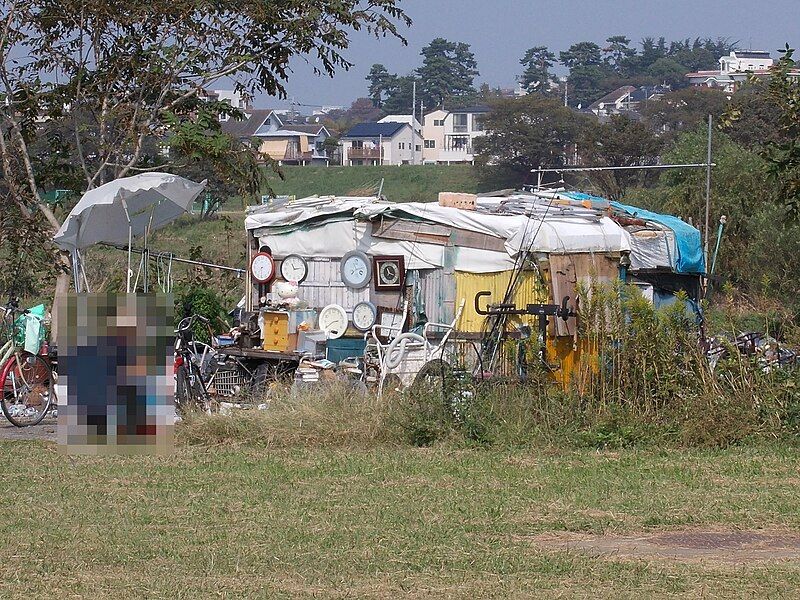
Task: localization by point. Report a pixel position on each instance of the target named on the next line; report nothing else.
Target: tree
(685, 109)
(621, 142)
(588, 83)
(619, 54)
(783, 159)
(537, 62)
(448, 70)
(361, 110)
(581, 54)
(668, 71)
(526, 133)
(138, 73)
(380, 82)
(400, 98)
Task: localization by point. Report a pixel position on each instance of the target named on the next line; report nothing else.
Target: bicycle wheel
(189, 392)
(28, 390)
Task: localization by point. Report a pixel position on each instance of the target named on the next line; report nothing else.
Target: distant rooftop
(375, 129)
(751, 53)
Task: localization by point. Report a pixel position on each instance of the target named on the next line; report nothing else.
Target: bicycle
(191, 360)
(26, 379)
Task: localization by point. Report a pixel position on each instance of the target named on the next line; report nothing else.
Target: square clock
(389, 273)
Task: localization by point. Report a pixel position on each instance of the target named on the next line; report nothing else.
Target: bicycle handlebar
(189, 321)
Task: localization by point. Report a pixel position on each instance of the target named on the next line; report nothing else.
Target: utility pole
(413, 118)
(708, 195)
(422, 124)
(566, 83)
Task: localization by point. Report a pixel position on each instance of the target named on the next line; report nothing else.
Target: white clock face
(262, 267)
(356, 270)
(364, 315)
(294, 268)
(333, 321)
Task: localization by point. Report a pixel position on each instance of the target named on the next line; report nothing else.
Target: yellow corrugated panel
(529, 291)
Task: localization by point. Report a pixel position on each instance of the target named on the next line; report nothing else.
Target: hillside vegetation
(406, 183)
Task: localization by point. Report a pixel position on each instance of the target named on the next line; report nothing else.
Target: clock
(262, 267)
(333, 321)
(294, 268)
(356, 270)
(390, 273)
(365, 314)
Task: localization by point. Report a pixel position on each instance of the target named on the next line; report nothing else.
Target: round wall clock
(262, 267)
(333, 321)
(294, 268)
(356, 270)
(365, 314)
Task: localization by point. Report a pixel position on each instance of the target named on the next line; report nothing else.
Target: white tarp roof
(100, 215)
(332, 226)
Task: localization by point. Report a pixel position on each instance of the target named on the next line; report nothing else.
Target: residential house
(387, 143)
(287, 143)
(626, 100)
(735, 69)
(449, 135)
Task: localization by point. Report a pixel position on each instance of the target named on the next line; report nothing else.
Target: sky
(500, 31)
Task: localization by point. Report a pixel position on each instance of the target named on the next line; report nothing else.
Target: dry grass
(333, 415)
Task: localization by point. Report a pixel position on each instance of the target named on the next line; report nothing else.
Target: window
(460, 122)
(430, 143)
(438, 122)
(477, 122)
(401, 145)
(419, 147)
(358, 144)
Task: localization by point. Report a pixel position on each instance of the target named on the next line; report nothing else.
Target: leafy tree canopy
(537, 62)
(448, 70)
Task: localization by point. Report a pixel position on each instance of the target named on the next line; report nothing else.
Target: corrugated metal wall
(530, 290)
(438, 294)
(324, 286)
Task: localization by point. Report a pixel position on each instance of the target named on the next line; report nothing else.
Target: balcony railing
(365, 153)
(293, 153)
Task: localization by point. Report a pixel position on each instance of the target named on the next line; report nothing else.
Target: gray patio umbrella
(123, 209)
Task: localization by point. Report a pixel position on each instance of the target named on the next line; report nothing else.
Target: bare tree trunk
(61, 291)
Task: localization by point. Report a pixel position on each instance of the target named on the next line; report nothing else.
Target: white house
(383, 143)
(735, 69)
(287, 143)
(449, 135)
(403, 119)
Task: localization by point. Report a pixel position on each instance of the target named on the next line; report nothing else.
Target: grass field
(384, 522)
(404, 183)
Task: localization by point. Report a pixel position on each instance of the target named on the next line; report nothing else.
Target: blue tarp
(687, 238)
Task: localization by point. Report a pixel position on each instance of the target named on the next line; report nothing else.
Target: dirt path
(724, 546)
(46, 430)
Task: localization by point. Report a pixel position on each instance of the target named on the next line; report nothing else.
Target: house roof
(618, 93)
(247, 127)
(472, 109)
(313, 128)
(375, 129)
(751, 54)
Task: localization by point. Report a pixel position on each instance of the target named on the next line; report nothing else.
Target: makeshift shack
(362, 263)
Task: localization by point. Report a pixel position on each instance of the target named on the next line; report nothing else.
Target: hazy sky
(500, 31)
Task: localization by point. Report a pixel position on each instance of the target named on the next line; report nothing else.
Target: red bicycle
(27, 380)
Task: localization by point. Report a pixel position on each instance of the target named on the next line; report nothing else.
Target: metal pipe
(722, 220)
(707, 165)
(180, 260)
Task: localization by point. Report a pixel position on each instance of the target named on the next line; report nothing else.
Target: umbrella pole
(146, 253)
(76, 277)
(129, 274)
